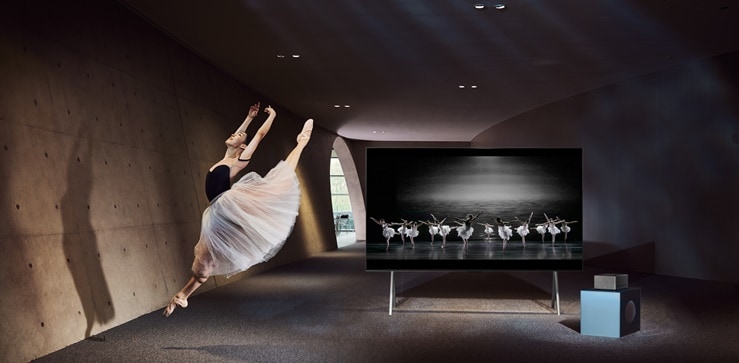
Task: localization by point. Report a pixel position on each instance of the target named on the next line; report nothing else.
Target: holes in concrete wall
(18, 206)
(30, 265)
(42, 324)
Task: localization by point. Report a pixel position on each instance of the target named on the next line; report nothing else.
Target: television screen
(474, 209)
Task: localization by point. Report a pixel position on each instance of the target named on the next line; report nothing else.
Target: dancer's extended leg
(181, 297)
(303, 138)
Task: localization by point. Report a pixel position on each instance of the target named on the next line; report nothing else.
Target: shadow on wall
(80, 243)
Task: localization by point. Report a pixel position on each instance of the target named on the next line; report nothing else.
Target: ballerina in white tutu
(412, 232)
(523, 229)
(402, 230)
(387, 231)
(465, 229)
(434, 227)
(489, 230)
(248, 220)
(565, 227)
(444, 230)
(504, 230)
(542, 229)
(552, 228)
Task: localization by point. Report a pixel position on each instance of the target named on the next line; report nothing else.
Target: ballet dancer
(433, 228)
(402, 230)
(504, 230)
(412, 232)
(247, 221)
(566, 228)
(489, 230)
(523, 229)
(542, 230)
(444, 230)
(552, 227)
(387, 231)
(465, 228)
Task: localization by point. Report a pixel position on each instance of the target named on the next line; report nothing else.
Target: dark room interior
(112, 112)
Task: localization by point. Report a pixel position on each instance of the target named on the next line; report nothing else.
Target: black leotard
(217, 181)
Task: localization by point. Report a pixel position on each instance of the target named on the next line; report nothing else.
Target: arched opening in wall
(346, 196)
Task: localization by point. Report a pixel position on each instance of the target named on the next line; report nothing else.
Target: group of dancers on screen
(464, 228)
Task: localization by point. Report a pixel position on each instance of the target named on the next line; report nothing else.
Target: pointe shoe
(304, 135)
(173, 304)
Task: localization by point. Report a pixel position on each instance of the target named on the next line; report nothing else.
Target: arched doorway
(346, 196)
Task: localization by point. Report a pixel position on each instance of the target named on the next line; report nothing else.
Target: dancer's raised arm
(249, 149)
(253, 112)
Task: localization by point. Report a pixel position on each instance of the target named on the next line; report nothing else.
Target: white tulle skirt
(249, 223)
(505, 232)
(465, 233)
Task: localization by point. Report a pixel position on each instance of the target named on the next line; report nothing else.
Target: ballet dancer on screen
(489, 230)
(387, 231)
(465, 228)
(552, 228)
(402, 230)
(504, 230)
(566, 228)
(412, 232)
(523, 228)
(433, 227)
(249, 218)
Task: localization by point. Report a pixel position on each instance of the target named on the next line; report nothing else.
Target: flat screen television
(474, 209)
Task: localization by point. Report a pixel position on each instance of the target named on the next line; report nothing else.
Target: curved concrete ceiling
(400, 65)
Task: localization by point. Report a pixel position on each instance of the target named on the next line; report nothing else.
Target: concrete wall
(107, 128)
(661, 165)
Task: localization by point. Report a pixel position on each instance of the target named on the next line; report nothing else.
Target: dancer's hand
(271, 111)
(254, 110)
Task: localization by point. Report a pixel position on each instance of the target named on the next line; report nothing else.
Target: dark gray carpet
(328, 309)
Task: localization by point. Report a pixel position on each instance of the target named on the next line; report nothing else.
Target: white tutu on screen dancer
(249, 223)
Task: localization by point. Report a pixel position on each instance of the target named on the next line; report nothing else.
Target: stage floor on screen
(476, 250)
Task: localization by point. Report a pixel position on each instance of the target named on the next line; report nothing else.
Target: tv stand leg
(555, 292)
(392, 292)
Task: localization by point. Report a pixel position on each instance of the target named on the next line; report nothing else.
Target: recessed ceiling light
(500, 6)
(473, 86)
(337, 106)
(347, 106)
(280, 56)
(296, 55)
(461, 86)
(479, 6)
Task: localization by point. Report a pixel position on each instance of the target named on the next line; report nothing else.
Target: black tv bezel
(471, 265)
